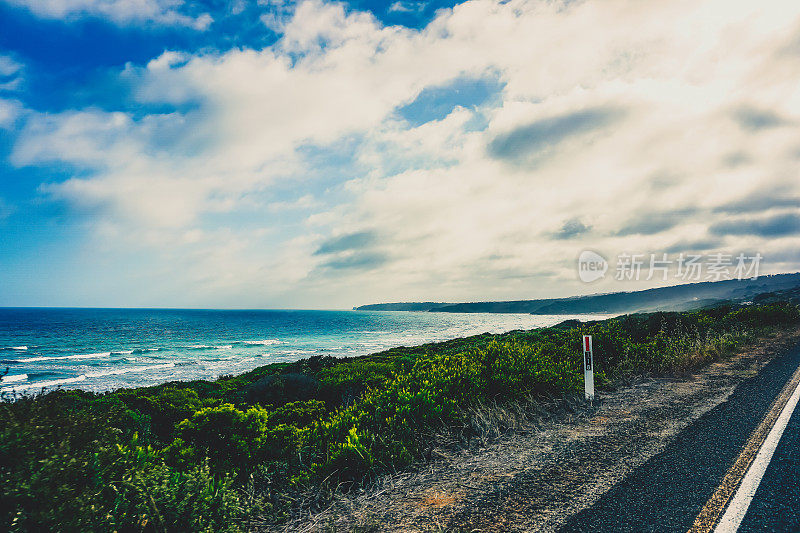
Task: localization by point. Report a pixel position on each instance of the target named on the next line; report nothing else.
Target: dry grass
(345, 508)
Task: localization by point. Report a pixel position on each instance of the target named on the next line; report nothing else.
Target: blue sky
(323, 154)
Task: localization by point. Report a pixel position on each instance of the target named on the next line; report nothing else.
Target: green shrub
(234, 440)
(151, 496)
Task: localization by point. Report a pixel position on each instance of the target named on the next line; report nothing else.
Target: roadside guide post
(588, 367)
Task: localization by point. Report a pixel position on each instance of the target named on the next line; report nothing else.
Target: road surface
(689, 485)
(776, 504)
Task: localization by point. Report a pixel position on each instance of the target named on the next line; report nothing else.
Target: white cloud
(9, 112)
(304, 202)
(11, 70)
(407, 7)
(612, 113)
(8, 66)
(122, 12)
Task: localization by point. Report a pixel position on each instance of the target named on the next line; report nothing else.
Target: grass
(224, 455)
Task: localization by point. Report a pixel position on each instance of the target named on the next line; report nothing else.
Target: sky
(315, 154)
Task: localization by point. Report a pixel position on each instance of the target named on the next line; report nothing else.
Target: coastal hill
(674, 298)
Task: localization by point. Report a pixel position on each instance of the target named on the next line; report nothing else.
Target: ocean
(106, 349)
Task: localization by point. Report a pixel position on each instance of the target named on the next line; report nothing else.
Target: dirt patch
(438, 499)
(549, 468)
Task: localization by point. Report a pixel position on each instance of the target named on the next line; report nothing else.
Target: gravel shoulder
(550, 468)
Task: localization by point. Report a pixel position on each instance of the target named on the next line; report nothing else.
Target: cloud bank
(471, 159)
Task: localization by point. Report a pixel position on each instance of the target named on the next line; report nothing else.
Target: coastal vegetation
(244, 451)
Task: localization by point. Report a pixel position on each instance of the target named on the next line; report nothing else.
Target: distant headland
(674, 298)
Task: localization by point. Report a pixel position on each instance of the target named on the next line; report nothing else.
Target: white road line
(736, 510)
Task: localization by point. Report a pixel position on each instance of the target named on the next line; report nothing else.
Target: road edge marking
(737, 508)
(709, 515)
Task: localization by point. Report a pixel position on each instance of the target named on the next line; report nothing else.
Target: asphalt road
(776, 504)
(669, 491)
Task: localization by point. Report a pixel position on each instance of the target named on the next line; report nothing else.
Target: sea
(106, 349)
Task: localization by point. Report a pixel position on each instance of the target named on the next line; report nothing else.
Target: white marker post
(588, 367)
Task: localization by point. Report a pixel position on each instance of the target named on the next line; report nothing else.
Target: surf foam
(61, 357)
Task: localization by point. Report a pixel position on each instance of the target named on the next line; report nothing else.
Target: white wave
(128, 370)
(210, 347)
(82, 377)
(121, 352)
(14, 378)
(145, 350)
(298, 352)
(21, 348)
(265, 342)
(56, 358)
(43, 384)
